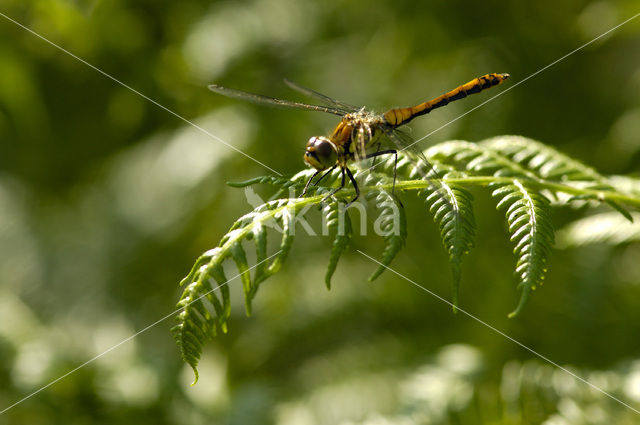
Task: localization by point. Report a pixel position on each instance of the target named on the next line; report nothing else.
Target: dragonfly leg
(333, 192)
(306, 186)
(325, 175)
(355, 186)
(395, 167)
(374, 155)
(395, 163)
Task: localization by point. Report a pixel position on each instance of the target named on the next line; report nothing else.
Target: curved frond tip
(529, 218)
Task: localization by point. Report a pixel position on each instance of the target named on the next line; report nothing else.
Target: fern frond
(449, 204)
(287, 219)
(477, 159)
(529, 218)
(546, 162)
(259, 235)
(281, 182)
(551, 165)
(392, 224)
(516, 156)
(240, 258)
(195, 321)
(338, 222)
(520, 172)
(452, 211)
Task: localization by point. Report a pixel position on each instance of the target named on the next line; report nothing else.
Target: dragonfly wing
(403, 142)
(424, 168)
(271, 101)
(322, 97)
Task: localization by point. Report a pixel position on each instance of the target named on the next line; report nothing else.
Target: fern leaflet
(453, 214)
(528, 214)
(338, 222)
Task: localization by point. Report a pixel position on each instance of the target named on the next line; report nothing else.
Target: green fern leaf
(223, 310)
(260, 240)
(545, 161)
(195, 323)
(619, 208)
(287, 218)
(452, 211)
(479, 160)
(190, 335)
(281, 182)
(551, 165)
(240, 258)
(528, 215)
(339, 223)
(519, 171)
(392, 223)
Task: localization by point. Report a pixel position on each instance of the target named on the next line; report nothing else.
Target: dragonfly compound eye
(320, 153)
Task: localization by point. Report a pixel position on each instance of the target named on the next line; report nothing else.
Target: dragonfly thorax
(321, 153)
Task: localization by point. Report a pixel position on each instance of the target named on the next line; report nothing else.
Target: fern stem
(486, 180)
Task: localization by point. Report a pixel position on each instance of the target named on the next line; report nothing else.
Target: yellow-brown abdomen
(400, 116)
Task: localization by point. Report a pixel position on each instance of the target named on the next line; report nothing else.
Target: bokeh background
(106, 200)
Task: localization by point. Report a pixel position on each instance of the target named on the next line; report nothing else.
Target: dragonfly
(360, 133)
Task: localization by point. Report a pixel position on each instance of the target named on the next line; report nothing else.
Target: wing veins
(271, 101)
(345, 107)
(428, 173)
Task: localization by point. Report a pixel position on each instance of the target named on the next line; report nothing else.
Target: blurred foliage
(105, 199)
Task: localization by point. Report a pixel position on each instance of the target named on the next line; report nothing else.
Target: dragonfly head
(321, 153)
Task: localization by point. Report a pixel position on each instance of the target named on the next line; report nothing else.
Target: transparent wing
(424, 168)
(403, 142)
(345, 107)
(271, 101)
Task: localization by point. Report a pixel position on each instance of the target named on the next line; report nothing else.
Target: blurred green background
(106, 200)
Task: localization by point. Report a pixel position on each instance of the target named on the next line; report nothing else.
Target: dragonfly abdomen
(400, 116)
